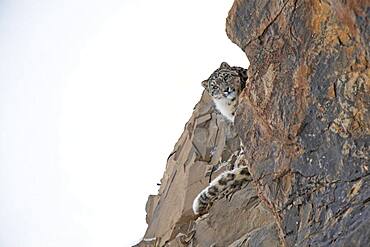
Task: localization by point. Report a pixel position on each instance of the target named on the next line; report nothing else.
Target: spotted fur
(225, 85)
(226, 183)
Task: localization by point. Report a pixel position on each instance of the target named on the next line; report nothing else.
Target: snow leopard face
(225, 86)
(225, 82)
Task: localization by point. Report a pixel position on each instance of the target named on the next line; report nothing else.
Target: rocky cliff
(305, 123)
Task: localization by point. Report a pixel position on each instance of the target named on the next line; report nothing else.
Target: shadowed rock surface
(305, 123)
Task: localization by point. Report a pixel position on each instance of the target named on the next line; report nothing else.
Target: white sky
(93, 97)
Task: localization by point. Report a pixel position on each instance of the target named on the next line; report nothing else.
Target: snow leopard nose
(228, 91)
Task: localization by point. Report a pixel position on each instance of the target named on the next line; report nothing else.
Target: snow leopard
(224, 86)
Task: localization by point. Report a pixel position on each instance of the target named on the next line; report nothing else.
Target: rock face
(304, 115)
(304, 121)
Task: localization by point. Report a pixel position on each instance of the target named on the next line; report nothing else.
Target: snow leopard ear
(205, 83)
(243, 73)
(224, 65)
